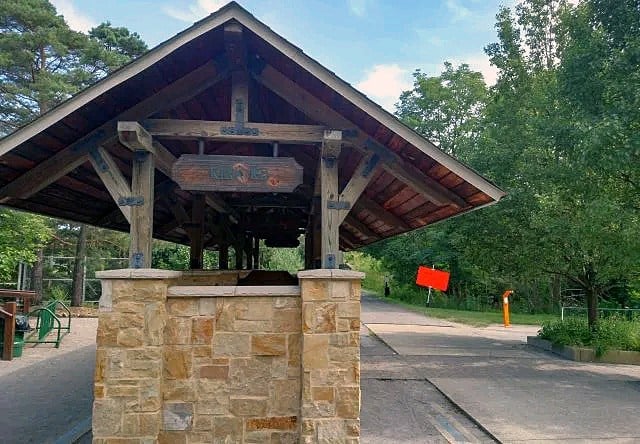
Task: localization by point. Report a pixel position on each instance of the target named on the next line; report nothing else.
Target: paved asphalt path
(516, 393)
(43, 401)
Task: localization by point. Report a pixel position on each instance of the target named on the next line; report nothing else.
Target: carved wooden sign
(247, 174)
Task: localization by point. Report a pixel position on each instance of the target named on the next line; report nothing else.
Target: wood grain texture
(142, 215)
(111, 177)
(330, 218)
(214, 130)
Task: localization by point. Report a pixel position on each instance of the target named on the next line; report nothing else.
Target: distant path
(519, 395)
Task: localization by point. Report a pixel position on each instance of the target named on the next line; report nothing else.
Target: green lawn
(475, 318)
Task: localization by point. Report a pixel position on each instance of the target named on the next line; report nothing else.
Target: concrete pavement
(48, 391)
(517, 394)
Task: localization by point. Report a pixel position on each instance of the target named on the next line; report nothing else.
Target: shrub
(612, 333)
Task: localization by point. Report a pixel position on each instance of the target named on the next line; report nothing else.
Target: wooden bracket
(112, 178)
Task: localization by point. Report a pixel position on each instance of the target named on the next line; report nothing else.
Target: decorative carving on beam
(321, 112)
(68, 159)
(218, 130)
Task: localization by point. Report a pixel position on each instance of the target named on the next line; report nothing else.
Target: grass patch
(474, 318)
(611, 333)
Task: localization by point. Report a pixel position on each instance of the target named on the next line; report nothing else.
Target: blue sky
(373, 44)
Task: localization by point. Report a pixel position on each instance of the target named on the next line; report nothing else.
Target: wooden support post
(9, 316)
(248, 250)
(308, 246)
(329, 209)
(239, 253)
(223, 257)
(256, 253)
(141, 210)
(196, 232)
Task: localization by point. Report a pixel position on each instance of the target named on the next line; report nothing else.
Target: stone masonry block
(348, 310)
(214, 371)
(268, 344)
(236, 345)
(107, 417)
(285, 397)
(314, 290)
(227, 429)
(208, 306)
(182, 307)
(315, 351)
(202, 330)
(340, 290)
(177, 416)
(177, 331)
(272, 423)
(177, 362)
(248, 405)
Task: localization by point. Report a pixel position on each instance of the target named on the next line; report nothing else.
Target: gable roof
(293, 88)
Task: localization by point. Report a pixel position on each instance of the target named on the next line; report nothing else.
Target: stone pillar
(129, 356)
(330, 410)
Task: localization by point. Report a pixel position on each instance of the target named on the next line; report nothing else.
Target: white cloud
(458, 11)
(75, 19)
(358, 7)
(384, 83)
(195, 11)
(481, 63)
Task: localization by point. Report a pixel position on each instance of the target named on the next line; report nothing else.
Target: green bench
(46, 322)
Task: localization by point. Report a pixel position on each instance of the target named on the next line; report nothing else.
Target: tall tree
(43, 62)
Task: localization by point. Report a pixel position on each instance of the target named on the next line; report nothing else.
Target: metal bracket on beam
(100, 162)
(131, 201)
(371, 165)
(331, 261)
(338, 205)
(137, 260)
(239, 129)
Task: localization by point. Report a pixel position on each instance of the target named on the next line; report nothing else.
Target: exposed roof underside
(285, 86)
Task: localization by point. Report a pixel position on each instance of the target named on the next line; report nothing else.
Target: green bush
(613, 333)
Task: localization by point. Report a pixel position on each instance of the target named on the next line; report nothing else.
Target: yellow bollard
(505, 307)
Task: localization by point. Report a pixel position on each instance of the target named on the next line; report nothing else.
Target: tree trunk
(77, 287)
(38, 275)
(591, 295)
(592, 307)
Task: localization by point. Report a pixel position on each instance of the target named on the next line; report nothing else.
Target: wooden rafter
(387, 217)
(66, 160)
(360, 227)
(391, 162)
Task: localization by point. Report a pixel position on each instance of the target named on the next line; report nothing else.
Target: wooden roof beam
(42, 175)
(68, 159)
(135, 137)
(226, 131)
(391, 162)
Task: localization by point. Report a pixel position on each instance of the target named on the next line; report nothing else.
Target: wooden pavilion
(227, 134)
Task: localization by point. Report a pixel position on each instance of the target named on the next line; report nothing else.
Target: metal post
(505, 307)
